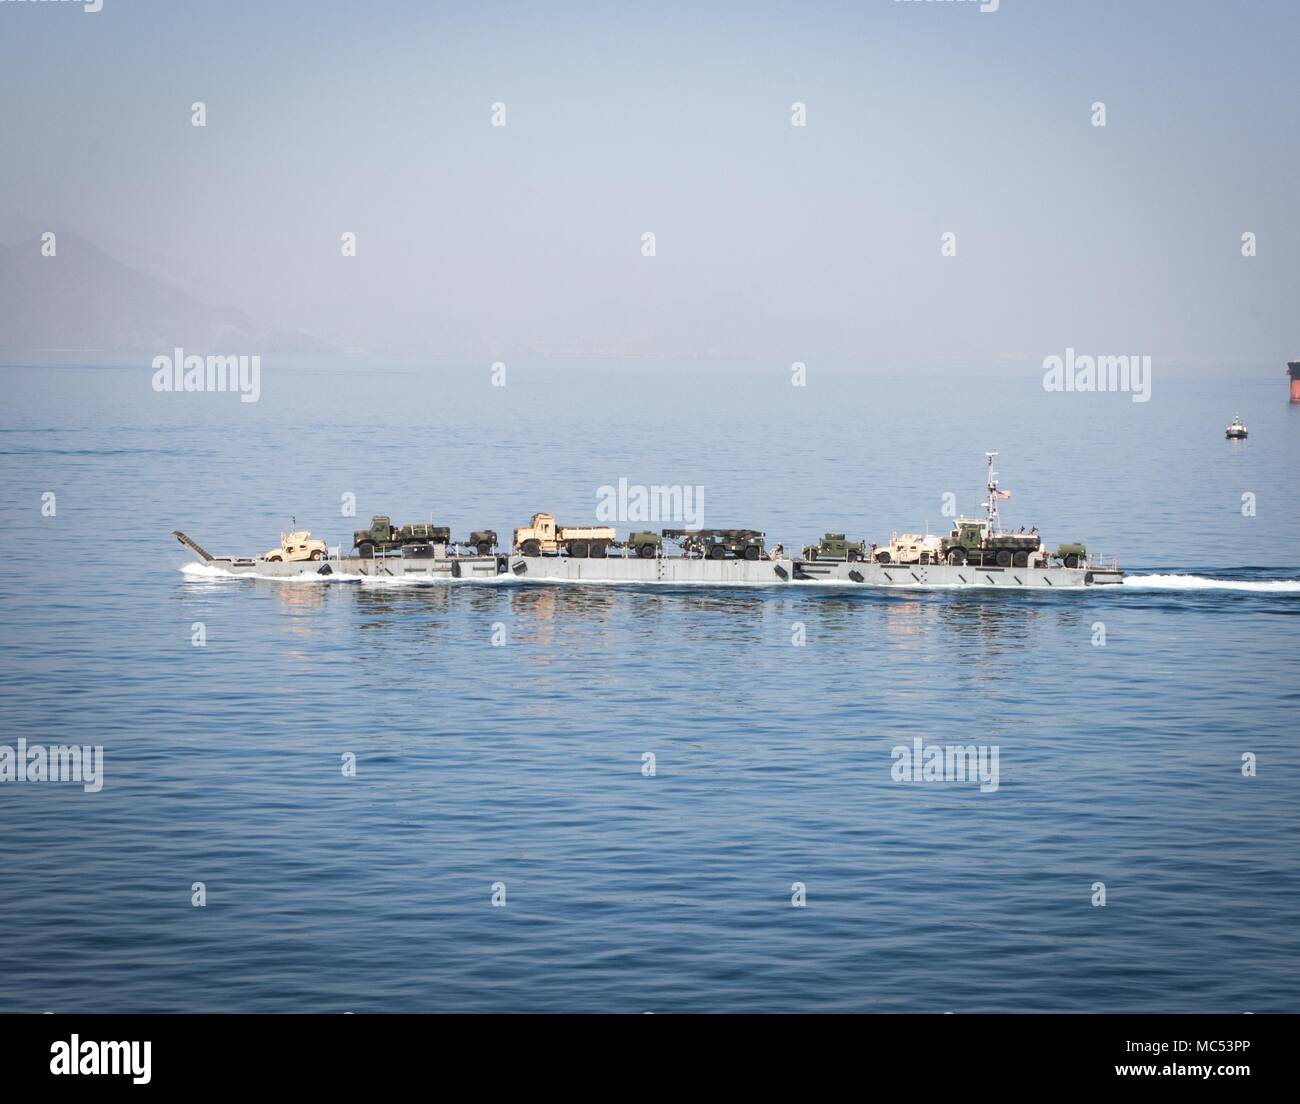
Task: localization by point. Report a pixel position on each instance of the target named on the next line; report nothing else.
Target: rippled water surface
(522, 763)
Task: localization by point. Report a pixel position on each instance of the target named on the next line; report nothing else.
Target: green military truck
(384, 536)
(645, 544)
(482, 541)
(718, 544)
(835, 546)
(1072, 555)
(972, 542)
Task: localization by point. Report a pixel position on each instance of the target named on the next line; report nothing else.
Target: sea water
(503, 797)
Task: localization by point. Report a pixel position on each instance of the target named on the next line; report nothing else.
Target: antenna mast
(991, 506)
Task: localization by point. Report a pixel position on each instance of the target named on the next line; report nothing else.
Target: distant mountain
(83, 300)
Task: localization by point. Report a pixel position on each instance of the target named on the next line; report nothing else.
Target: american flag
(1004, 494)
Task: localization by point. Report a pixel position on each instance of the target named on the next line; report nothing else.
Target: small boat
(1237, 430)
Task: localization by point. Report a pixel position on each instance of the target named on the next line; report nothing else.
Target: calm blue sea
(522, 764)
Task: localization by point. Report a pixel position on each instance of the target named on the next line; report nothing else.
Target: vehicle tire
(581, 549)
(751, 553)
(646, 551)
(854, 555)
(812, 553)
(717, 552)
(275, 559)
(482, 548)
(531, 548)
(317, 554)
(1021, 559)
(882, 557)
(1072, 560)
(957, 558)
(366, 550)
(1003, 558)
(599, 550)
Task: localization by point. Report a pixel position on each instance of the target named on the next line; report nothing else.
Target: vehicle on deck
(411, 540)
(718, 544)
(973, 542)
(836, 546)
(911, 548)
(646, 544)
(982, 542)
(482, 541)
(297, 545)
(1072, 555)
(544, 538)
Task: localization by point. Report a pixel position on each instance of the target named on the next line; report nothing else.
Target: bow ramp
(202, 553)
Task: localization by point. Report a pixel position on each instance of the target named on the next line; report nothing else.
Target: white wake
(1202, 582)
(211, 571)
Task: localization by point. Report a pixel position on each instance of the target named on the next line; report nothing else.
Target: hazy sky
(773, 241)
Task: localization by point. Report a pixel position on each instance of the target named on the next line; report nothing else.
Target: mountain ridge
(82, 299)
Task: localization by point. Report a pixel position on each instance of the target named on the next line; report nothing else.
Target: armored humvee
(835, 546)
(911, 548)
(718, 544)
(297, 545)
(384, 536)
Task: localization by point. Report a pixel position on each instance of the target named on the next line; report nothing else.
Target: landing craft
(977, 553)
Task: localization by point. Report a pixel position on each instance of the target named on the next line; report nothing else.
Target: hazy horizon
(774, 241)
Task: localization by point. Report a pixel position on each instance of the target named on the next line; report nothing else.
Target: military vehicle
(974, 542)
(718, 544)
(412, 540)
(981, 542)
(1072, 555)
(911, 548)
(645, 544)
(544, 538)
(297, 545)
(482, 541)
(835, 546)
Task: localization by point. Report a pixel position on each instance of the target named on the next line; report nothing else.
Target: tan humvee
(297, 546)
(911, 548)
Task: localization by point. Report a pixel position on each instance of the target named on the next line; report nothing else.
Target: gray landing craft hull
(660, 569)
(944, 575)
(676, 570)
(353, 567)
